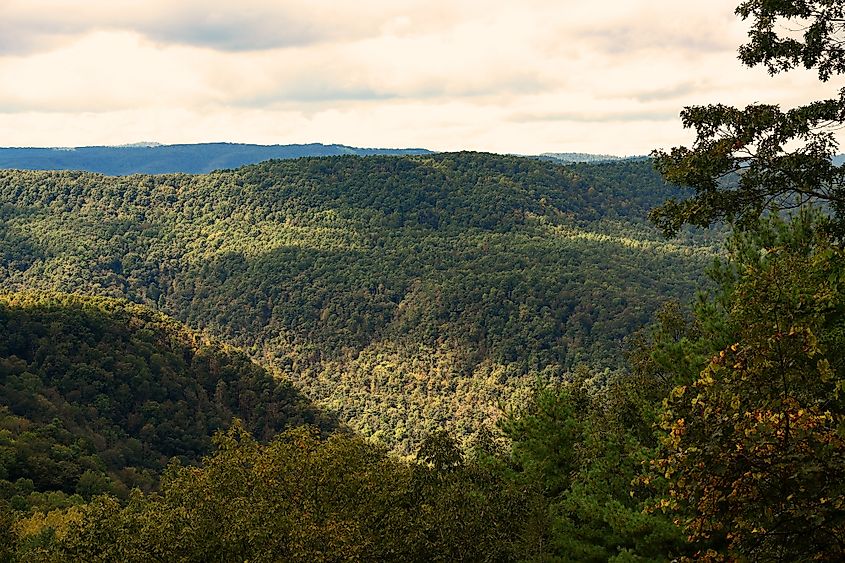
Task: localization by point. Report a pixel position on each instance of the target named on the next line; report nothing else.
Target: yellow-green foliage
(754, 452)
(388, 287)
(298, 498)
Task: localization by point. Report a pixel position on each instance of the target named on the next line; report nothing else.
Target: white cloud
(534, 76)
(246, 25)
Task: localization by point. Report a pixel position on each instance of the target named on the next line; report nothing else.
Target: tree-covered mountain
(97, 394)
(722, 439)
(405, 293)
(583, 473)
(153, 158)
(574, 157)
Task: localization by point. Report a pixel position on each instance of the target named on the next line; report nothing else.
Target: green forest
(98, 395)
(403, 293)
(441, 357)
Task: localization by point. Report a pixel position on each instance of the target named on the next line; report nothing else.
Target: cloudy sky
(606, 76)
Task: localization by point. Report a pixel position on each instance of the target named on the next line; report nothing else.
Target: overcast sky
(607, 76)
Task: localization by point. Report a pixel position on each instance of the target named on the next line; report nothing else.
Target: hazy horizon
(155, 144)
(606, 77)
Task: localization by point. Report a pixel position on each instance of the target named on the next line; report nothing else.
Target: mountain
(153, 158)
(405, 293)
(97, 394)
(575, 157)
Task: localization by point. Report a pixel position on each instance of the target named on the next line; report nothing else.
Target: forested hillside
(422, 298)
(96, 395)
(587, 470)
(403, 292)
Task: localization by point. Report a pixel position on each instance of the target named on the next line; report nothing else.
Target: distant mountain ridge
(152, 158)
(590, 158)
(576, 157)
(149, 157)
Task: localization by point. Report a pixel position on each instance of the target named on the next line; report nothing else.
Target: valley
(405, 294)
(500, 349)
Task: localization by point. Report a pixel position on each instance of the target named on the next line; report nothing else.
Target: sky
(507, 76)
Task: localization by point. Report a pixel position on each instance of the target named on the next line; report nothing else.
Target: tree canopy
(97, 394)
(795, 33)
(721, 439)
(752, 454)
(402, 292)
(746, 161)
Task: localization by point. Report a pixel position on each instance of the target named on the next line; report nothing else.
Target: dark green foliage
(569, 448)
(386, 282)
(745, 162)
(818, 46)
(754, 451)
(402, 292)
(546, 438)
(97, 394)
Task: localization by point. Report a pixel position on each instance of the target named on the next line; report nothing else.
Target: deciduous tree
(745, 161)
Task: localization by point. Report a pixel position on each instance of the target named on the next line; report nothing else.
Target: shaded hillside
(97, 394)
(162, 159)
(404, 292)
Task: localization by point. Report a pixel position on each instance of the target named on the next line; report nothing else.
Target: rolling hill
(97, 394)
(405, 293)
